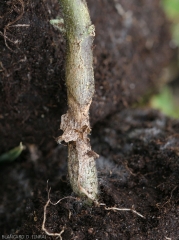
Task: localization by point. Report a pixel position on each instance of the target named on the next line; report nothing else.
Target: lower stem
(82, 171)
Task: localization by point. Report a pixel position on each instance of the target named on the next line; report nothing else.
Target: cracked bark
(79, 73)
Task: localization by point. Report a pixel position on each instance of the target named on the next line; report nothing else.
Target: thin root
(45, 215)
(10, 24)
(122, 209)
(44, 220)
(21, 25)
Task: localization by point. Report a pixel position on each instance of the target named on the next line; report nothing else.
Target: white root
(45, 215)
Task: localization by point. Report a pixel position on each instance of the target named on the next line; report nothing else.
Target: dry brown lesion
(81, 159)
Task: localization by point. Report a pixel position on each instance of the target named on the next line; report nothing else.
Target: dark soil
(130, 50)
(138, 168)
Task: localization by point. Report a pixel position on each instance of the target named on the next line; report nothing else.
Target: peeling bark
(80, 89)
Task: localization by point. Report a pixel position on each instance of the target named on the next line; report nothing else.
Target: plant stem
(80, 89)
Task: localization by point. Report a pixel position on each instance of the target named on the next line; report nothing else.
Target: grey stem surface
(79, 73)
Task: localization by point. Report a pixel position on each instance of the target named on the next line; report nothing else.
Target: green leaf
(165, 102)
(12, 154)
(175, 31)
(171, 7)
